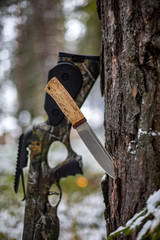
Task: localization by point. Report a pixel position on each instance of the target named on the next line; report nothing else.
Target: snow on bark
(146, 221)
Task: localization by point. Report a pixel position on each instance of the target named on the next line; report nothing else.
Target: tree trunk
(36, 52)
(130, 76)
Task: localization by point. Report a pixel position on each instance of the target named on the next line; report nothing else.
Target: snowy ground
(84, 216)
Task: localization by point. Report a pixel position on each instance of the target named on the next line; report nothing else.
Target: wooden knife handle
(65, 102)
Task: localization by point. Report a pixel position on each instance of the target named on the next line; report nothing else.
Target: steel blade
(96, 148)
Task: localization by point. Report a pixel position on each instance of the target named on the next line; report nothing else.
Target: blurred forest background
(32, 32)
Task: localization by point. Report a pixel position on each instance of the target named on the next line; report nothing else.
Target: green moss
(2, 236)
(155, 235)
(8, 196)
(126, 231)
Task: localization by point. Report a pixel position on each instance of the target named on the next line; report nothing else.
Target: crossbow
(78, 74)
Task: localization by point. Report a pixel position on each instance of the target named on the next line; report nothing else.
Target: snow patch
(141, 132)
(87, 216)
(11, 225)
(145, 229)
(103, 178)
(131, 147)
(152, 208)
(150, 133)
(137, 215)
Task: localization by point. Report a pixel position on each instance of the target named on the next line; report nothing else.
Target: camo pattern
(41, 221)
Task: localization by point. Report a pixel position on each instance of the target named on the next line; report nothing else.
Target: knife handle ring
(77, 124)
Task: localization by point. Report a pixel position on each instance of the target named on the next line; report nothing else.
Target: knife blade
(70, 109)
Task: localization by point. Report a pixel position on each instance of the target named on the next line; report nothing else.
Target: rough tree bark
(130, 76)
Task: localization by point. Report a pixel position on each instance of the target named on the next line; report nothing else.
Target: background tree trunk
(37, 49)
(130, 76)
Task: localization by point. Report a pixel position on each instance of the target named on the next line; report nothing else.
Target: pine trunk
(130, 76)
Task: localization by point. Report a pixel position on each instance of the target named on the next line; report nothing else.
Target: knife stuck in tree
(70, 109)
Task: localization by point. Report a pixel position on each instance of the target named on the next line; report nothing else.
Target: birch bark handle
(65, 102)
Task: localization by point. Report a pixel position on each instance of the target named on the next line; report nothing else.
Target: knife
(70, 109)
